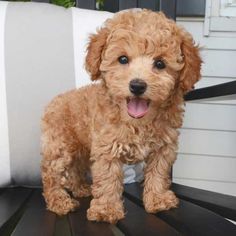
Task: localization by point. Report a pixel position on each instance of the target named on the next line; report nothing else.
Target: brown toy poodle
(144, 63)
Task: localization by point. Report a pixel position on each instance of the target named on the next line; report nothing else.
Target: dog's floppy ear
(190, 73)
(94, 52)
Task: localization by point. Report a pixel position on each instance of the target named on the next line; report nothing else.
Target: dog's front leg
(156, 195)
(107, 188)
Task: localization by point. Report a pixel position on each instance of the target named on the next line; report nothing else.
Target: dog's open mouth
(137, 107)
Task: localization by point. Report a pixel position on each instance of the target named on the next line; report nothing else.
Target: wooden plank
(45, 1)
(138, 222)
(211, 117)
(212, 80)
(220, 90)
(36, 220)
(220, 187)
(2, 190)
(195, 27)
(169, 8)
(111, 5)
(81, 226)
(12, 201)
(222, 204)
(149, 4)
(207, 142)
(224, 24)
(191, 8)
(86, 4)
(126, 4)
(184, 8)
(223, 67)
(62, 226)
(195, 167)
(188, 218)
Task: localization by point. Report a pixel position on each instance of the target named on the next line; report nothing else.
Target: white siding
(207, 148)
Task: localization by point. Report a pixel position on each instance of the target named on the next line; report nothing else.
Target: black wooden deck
(23, 213)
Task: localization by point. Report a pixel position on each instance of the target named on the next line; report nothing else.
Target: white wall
(207, 150)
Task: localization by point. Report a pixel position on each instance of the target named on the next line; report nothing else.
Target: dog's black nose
(137, 86)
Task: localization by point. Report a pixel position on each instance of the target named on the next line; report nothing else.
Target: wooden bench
(23, 213)
(23, 210)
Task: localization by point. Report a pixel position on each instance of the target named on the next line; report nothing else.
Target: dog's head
(143, 58)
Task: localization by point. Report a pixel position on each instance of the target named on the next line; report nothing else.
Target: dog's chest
(136, 147)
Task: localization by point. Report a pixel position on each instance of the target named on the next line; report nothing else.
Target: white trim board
(5, 174)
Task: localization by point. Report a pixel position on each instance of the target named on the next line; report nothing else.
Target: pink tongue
(137, 107)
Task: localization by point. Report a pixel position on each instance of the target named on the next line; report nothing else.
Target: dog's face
(144, 58)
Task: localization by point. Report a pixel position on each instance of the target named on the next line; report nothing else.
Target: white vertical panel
(85, 22)
(5, 176)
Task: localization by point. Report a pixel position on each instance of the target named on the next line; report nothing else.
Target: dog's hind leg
(78, 181)
(59, 149)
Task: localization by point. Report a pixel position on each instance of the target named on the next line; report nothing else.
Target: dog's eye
(123, 60)
(159, 64)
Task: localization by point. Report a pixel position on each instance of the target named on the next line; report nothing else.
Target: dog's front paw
(108, 212)
(154, 202)
(60, 202)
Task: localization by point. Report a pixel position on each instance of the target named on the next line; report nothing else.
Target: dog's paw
(83, 191)
(159, 202)
(109, 212)
(61, 203)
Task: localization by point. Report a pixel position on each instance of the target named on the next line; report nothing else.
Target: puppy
(144, 64)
